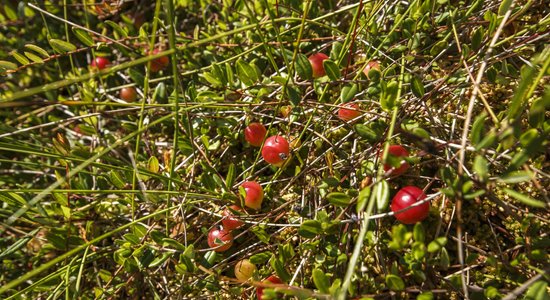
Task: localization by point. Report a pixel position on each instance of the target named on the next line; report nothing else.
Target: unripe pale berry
(244, 269)
(254, 194)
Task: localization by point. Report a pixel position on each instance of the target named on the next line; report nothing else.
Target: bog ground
(275, 149)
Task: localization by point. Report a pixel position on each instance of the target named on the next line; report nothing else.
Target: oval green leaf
(331, 69)
(338, 199)
(38, 50)
(395, 283)
(303, 67)
(83, 36)
(61, 46)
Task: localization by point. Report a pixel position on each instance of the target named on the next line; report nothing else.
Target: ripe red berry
(229, 220)
(398, 153)
(406, 197)
(316, 61)
(159, 63)
(275, 150)
(128, 94)
(255, 133)
(371, 65)
(220, 238)
(254, 194)
(100, 63)
(348, 111)
(244, 269)
(271, 279)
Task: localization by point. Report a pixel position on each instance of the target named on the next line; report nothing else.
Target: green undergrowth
(107, 199)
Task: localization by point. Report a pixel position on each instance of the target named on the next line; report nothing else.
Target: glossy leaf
(332, 70)
(524, 198)
(417, 87)
(348, 92)
(321, 281)
(338, 199)
(83, 36)
(303, 67)
(381, 192)
(20, 58)
(38, 50)
(246, 73)
(395, 283)
(7, 65)
(310, 229)
(61, 46)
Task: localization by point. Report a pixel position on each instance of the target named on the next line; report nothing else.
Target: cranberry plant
(245, 149)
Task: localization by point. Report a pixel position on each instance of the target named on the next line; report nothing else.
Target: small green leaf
(116, 179)
(417, 87)
(171, 243)
(294, 95)
(481, 167)
(395, 283)
(279, 268)
(212, 79)
(321, 281)
(425, 296)
(331, 69)
(477, 37)
(515, 108)
(260, 233)
(83, 36)
(348, 92)
(363, 198)
(504, 6)
(303, 67)
(437, 244)
(538, 291)
(260, 258)
(35, 58)
(382, 195)
(153, 164)
(419, 234)
(38, 50)
(230, 177)
(516, 176)
(524, 199)
(246, 73)
(20, 57)
(338, 199)
(117, 28)
(388, 98)
(478, 128)
(529, 137)
(365, 132)
(444, 260)
(61, 46)
(7, 65)
(438, 47)
(310, 229)
(538, 109)
(372, 132)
